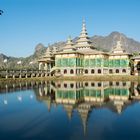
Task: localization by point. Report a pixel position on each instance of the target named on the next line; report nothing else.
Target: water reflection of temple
(81, 96)
(84, 96)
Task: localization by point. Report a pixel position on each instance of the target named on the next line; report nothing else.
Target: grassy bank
(80, 78)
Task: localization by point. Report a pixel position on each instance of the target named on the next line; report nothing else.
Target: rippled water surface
(69, 110)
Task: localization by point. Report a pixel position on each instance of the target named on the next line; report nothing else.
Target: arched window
(58, 85)
(117, 70)
(92, 84)
(124, 83)
(71, 85)
(110, 83)
(124, 70)
(71, 71)
(99, 70)
(110, 71)
(86, 84)
(117, 83)
(65, 71)
(65, 85)
(86, 71)
(92, 71)
(99, 84)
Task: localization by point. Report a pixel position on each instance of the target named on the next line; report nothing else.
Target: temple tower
(83, 40)
(119, 60)
(69, 45)
(118, 48)
(47, 62)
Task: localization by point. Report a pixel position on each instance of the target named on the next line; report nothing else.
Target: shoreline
(79, 78)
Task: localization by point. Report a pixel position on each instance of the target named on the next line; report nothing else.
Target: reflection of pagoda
(82, 96)
(119, 97)
(84, 110)
(119, 106)
(69, 109)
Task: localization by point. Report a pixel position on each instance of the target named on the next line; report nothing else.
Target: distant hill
(104, 43)
(108, 42)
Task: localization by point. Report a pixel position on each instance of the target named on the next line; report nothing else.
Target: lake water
(70, 110)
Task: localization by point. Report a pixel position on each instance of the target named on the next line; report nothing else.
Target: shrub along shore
(79, 78)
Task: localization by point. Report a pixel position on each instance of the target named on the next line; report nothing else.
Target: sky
(25, 23)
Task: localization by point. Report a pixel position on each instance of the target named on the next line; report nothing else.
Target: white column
(40, 65)
(45, 67)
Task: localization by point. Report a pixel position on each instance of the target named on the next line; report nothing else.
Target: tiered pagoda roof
(69, 45)
(48, 56)
(118, 49)
(83, 40)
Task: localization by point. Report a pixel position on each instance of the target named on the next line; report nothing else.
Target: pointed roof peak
(48, 52)
(54, 49)
(118, 48)
(69, 41)
(84, 21)
(83, 40)
(119, 42)
(84, 31)
(69, 44)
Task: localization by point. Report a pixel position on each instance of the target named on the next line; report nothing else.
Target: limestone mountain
(108, 42)
(104, 43)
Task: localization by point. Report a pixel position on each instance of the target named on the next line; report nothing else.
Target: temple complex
(82, 58)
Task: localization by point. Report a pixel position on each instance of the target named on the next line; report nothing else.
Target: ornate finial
(69, 37)
(119, 45)
(69, 44)
(48, 52)
(54, 49)
(84, 21)
(69, 40)
(84, 26)
(118, 48)
(48, 49)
